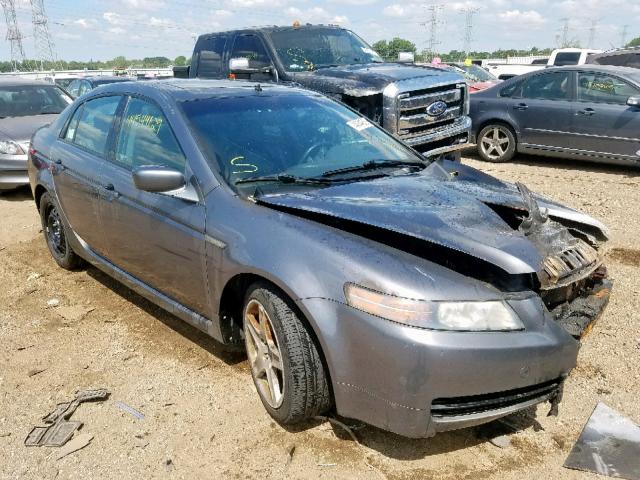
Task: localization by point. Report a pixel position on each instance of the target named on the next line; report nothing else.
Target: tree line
(117, 63)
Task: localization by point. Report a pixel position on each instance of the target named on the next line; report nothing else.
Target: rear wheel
(55, 233)
(496, 143)
(286, 366)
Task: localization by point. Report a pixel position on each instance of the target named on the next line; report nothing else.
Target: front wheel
(55, 233)
(286, 366)
(496, 143)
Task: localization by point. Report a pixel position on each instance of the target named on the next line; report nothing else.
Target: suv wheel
(496, 143)
(55, 233)
(285, 363)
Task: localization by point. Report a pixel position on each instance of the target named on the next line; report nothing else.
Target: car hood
(458, 213)
(20, 129)
(369, 79)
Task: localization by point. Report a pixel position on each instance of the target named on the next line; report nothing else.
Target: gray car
(587, 112)
(415, 295)
(25, 106)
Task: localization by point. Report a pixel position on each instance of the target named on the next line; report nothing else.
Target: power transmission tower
(468, 28)
(433, 23)
(565, 33)
(13, 33)
(592, 33)
(45, 50)
(623, 35)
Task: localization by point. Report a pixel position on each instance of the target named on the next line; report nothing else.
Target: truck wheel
(56, 235)
(496, 143)
(285, 363)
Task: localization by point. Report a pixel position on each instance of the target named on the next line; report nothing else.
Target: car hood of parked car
(20, 129)
(462, 210)
(369, 79)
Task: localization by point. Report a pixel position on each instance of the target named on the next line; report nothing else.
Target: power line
(469, 12)
(13, 33)
(592, 33)
(45, 50)
(564, 42)
(432, 24)
(623, 35)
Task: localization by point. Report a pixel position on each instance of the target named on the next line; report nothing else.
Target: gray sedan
(25, 106)
(587, 112)
(414, 295)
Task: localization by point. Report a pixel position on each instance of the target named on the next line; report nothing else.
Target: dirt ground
(203, 418)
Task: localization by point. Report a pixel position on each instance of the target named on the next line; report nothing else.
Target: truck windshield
(301, 136)
(307, 49)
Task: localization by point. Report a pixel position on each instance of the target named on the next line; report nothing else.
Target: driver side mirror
(634, 101)
(241, 66)
(158, 179)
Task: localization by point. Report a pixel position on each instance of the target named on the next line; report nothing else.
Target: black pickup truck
(425, 107)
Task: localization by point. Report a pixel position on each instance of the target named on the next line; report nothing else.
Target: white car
(560, 57)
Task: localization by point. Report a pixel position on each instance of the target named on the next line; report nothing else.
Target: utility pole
(565, 33)
(592, 33)
(469, 12)
(45, 50)
(623, 35)
(433, 23)
(13, 33)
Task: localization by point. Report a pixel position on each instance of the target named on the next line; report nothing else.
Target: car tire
(294, 388)
(496, 143)
(56, 234)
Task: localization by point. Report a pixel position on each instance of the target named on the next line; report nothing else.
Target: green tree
(634, 43)
(382, 48)
(390, 50)
(180, 61)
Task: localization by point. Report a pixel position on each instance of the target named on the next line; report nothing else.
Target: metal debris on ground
(78, 443)
(609, 445)
(130, 410)
(54, 302)
(59, 429)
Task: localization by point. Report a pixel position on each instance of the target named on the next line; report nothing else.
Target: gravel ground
(202, 415)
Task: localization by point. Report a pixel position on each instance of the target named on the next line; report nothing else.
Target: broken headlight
(8, 147)
(493, 315)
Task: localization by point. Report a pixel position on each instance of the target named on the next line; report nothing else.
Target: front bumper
(13, 171)
(394, 377)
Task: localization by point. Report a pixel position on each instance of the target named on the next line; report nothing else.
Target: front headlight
(492, 315)
(10, 148)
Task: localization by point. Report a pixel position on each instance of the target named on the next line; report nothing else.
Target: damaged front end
(574, 284)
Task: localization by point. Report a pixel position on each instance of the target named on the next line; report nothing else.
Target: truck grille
(453, 407)
(571, 261)
(413, 119)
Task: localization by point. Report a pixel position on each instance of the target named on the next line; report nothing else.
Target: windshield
(307, 49)
(286, 134)
(27, 100)
(476, 73)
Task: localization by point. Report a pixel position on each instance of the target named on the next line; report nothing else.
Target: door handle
(111, 189)
(586, 112)
(57, 161)
(521, 106)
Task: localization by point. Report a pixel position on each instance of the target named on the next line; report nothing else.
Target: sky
(99, 29)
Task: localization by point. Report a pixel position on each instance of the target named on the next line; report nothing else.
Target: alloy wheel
(264, 353)
(55, 233)
(495, 143)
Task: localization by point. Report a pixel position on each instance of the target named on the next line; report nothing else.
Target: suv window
(210, 62)
(510, 90)
(566, 58)
(597, 87)
(251, 47)
(147, 139)
(548, 86)
(95, 120)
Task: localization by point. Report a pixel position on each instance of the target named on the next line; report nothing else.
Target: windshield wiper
(283, 178)
(373, 165)
(325, 65)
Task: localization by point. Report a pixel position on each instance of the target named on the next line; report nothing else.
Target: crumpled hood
(369, 79)
(451, 213)
(20, 129)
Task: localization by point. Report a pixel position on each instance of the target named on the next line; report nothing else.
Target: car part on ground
(587, 112)
(414, 295)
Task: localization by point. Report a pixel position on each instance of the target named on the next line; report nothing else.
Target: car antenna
(258, 88)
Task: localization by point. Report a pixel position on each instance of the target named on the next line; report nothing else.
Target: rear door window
(147, 139)
(548, 86)
(601, 88)
(211, 55)
(94, 125)
(567, 58)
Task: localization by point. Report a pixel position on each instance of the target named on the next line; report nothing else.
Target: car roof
(193, 89)
(15, 81)
(276, 28)
(612, 69)
(94, 78)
